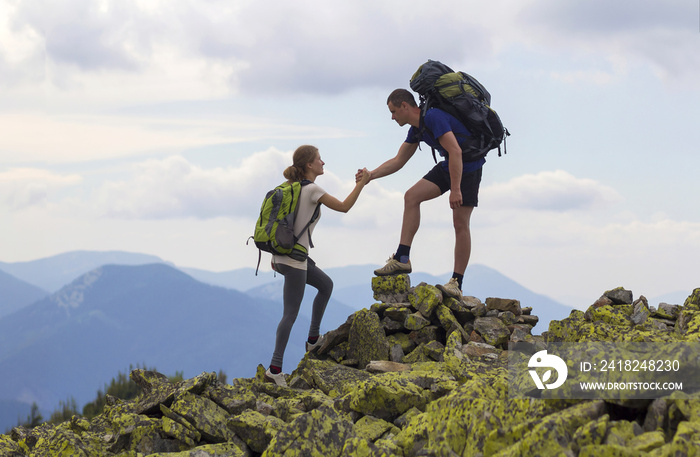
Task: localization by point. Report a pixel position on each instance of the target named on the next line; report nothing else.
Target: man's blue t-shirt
(437, 123)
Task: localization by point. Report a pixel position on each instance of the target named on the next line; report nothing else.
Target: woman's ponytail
(293, 173)
(303, 156)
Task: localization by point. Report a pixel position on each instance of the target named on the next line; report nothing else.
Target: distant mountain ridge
(52, 273)
(352, 283)
(16, 294)
(116, 316)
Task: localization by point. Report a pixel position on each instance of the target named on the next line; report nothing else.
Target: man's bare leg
(463, 248)
(463, 241)
(423, 190)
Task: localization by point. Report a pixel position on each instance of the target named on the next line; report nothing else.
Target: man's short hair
(399, 96)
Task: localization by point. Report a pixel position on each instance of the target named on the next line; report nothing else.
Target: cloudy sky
(157, 126)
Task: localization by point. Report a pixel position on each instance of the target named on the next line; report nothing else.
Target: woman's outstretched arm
(345, 205)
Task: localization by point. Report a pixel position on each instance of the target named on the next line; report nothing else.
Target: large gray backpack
(462, 96)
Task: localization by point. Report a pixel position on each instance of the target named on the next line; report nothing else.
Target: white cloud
(596, 16)
(175, 188)
(117, 51)
(204, 49)
(574, 258)
(662, 37)
(550, 191)
(88, 35)
(46, 138)
(269, 49)
(25, 187)
(43, 137)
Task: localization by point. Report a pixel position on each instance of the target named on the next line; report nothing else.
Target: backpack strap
(466, 149)
(314, 216)
(505, 136)
(421, 124)
(259, 254)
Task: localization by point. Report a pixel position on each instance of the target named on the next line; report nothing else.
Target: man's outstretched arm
(394, 164)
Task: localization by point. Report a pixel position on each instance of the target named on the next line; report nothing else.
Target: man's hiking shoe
(310, 347)
(393, 267)
(278, 378)
(451, 289)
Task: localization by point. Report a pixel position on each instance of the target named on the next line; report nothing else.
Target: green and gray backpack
(274, 230)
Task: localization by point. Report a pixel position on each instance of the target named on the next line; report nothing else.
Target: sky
(157, 127)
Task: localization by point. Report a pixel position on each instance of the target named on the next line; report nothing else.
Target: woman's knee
(320, 280)
(326, 286)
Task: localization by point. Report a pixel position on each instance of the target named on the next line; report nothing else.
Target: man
(446, 134)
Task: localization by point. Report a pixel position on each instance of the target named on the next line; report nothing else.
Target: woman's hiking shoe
(278, 378)
(393, 267)
(451, 289)
(311, 346)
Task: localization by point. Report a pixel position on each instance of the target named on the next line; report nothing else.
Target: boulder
(206, 416)
(322, 431)
(391, 289)
(415, 321)
(640, 311)
(492, 330)
(503, 304)
(398, 313)
(386, 396)
(371, 428)
(383, 366)
(255, 429)
(425, 298)
(446, 318)
(619, 296)
(367, 338)
(692, 303)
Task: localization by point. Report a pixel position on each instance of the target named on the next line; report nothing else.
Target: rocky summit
(415, 374)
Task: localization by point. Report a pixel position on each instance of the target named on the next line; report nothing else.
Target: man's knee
(422, 191)
(414, 197)
(461, 229)
(411, 198)
(460, 219)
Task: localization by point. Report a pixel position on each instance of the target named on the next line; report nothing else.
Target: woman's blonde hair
(303, 156)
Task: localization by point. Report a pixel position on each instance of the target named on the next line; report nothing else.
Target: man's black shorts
(440, 176)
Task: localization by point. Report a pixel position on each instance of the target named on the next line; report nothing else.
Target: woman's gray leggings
(295, 281)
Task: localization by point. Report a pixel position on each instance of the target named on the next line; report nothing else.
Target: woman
(307, 166)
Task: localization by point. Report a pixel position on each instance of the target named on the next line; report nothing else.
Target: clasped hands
(363, 175)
